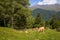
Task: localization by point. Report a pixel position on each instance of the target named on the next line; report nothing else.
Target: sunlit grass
(11, 34)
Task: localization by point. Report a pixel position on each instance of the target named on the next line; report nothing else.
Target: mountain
(46, 10)
(46, 14)
(55, 7)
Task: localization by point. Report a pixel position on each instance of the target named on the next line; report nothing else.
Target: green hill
(46, 14)
(11, 34)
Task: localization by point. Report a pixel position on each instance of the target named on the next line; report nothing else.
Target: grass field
(11, 34)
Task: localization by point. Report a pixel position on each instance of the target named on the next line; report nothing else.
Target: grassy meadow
(11, 34)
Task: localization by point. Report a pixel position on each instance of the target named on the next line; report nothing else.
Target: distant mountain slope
(46, 14)
(55, 7)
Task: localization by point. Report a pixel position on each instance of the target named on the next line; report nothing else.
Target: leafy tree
(52, 22)
(30, 21)
(14, 14)
(58, 24)
(23, 2)
(47, 25)
(38, 21)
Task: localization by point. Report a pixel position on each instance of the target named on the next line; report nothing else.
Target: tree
(58, 24)
(30, 21)
(38, 21)
(47, 24)
(53, 21)
(23, 2)
(14, 11)
(15, 14)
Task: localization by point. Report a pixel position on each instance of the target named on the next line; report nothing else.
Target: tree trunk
(12, 21)
(4, 22)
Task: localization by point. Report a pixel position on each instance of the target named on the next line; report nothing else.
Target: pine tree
(38, 21)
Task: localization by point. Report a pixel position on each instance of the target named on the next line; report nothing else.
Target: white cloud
(47, 2)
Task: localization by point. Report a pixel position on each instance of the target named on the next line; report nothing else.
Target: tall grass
(11, 34)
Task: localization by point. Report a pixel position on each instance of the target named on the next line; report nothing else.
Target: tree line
(15, 14)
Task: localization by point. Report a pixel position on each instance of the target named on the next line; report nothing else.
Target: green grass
(11, 34)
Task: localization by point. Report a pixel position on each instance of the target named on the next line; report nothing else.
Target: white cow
(41, 29)
(26, 31)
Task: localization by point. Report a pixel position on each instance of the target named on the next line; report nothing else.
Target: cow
(26, 31)
(41, 29)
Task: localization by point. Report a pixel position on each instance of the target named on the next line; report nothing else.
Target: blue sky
(58, 1)
(32, 2)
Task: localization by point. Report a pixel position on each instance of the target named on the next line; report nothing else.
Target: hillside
(55, 7)
(46, 14)
(46, 10)
(11, 34)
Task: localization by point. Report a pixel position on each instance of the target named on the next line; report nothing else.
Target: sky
(43, 2)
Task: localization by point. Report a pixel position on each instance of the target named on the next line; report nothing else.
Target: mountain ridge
(46, 14)
(55, 7)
